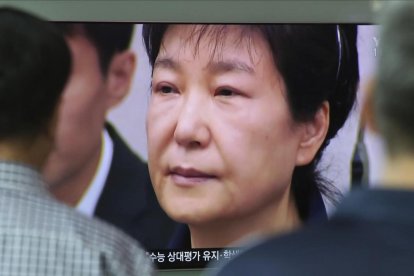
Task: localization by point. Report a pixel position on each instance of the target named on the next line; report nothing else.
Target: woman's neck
(274, 219)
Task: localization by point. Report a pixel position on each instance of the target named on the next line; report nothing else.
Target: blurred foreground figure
(38, 235)
(372, 230)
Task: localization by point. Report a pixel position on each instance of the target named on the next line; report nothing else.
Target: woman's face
(221, 140)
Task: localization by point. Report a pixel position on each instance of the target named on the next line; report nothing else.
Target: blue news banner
(190, 258)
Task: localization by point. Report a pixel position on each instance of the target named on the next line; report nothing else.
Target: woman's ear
(313, 135)
(119, 76)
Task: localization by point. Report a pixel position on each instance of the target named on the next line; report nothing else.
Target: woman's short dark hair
(318, 63)
(34, 66)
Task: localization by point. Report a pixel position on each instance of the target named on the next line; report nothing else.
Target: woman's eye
(164, 89)
(225, 92)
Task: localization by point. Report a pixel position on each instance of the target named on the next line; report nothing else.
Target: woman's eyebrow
(166, 63)
(217, 67)
(225, 66)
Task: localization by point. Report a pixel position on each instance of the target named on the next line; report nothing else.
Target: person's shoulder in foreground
(44, 237)
(371, 232)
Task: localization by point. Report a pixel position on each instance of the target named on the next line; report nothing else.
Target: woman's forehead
(216, 40)
(211, 32)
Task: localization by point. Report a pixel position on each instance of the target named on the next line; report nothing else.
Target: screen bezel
(204, 11)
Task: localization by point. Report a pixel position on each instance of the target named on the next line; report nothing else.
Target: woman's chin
(192, 217)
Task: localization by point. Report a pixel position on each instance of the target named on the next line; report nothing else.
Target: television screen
(344, 161)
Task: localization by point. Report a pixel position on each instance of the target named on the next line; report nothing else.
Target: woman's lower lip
(189, 181)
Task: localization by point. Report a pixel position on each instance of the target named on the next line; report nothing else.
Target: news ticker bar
(190, 258)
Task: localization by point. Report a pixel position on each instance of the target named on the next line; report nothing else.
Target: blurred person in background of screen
(91, 167)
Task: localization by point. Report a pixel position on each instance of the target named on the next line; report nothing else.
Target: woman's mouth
(189, 176)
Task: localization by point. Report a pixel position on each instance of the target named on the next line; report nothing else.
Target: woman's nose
(192, 128)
